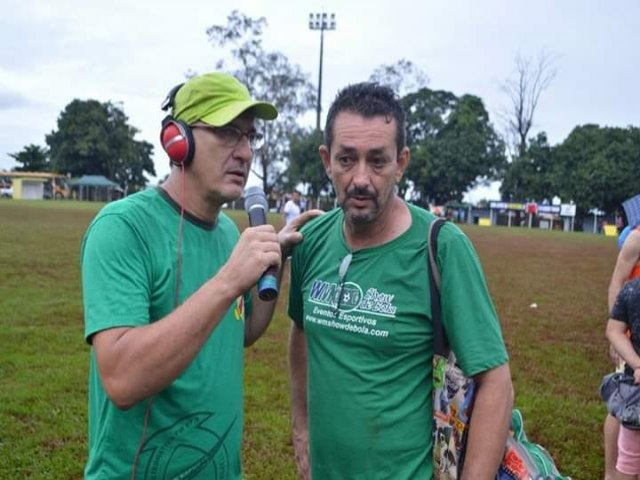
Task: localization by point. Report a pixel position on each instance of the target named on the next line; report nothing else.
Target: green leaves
(529, 178)
(304, 163)
(453, 144)
(95, 138)
(270, 77)
(33, 159)
(402, 77)
(596, 167)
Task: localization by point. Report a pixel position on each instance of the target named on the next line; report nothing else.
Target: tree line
(454, 143)
(93, 138)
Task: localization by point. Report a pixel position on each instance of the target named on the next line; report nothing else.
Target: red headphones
(176, 136)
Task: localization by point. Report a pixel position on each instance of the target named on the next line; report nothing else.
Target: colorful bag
(452, 391)
(453, 395)
(452, 405)
(525, 460)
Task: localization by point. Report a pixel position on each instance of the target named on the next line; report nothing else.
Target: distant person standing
(621, 220)
(292, 208)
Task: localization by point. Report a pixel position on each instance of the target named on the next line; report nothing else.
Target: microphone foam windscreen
(255, 197)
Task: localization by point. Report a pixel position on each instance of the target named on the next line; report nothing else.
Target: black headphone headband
(168, 101)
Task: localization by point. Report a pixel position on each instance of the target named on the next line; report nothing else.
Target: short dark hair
(369, 100)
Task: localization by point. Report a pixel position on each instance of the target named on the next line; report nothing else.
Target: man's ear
(403, 163)
(325, 156)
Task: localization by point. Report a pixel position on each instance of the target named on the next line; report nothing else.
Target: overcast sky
(134, 51)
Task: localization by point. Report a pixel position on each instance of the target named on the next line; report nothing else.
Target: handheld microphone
(255, 204)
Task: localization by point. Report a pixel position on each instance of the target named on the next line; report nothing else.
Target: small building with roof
(96, 188)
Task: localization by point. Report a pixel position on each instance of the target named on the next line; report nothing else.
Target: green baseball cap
(217, 99)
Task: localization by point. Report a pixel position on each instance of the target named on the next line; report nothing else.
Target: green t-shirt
(369, 358)
(129, 264)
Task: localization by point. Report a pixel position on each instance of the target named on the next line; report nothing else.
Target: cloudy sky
(134, 51)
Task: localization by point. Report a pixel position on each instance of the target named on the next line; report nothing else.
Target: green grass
(558, 351)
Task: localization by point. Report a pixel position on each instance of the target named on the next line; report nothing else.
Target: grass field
(558, 351)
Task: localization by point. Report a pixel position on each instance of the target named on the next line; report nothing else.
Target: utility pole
(321, 21)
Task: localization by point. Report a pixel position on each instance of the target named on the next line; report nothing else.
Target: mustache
(360, 192)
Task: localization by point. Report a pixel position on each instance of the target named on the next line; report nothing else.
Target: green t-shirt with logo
(370, 353)
(129, 265)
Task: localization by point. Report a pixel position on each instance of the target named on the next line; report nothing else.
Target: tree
(33, 159)
(453, 145)
(524, 88)
(402, 77)
(268, 76)
(305, 165)
(427, 112)
(530, 177)
(95, 138)
(597, 166)
(128, 158)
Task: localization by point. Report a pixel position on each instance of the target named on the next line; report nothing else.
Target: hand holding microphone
(255, 204)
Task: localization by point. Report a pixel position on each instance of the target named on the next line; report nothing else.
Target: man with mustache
(361, 342)
(169, 301)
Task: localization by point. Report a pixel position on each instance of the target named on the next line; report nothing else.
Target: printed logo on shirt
(347, 308)
(352, 298)
(188, 449)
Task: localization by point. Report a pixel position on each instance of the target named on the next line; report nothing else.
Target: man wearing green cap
(168, 303)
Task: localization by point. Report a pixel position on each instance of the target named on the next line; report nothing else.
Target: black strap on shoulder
(440, 343)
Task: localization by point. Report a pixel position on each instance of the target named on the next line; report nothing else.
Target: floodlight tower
(321, 21)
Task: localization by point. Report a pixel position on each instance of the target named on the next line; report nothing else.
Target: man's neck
(191, 199)
(391, 224)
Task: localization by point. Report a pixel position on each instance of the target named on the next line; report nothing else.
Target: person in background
(361, 340)
(627, 268)
(621, 219)
(168, 296)
(292, 208)
(625, 318)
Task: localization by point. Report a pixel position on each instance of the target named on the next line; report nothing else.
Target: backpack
(453, 395)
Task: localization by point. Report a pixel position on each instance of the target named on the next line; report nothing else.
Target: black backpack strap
(440, 344)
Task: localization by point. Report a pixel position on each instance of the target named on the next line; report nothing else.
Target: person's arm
(473, 330)
(627, 258)
(258, 321)
(489, 425)
(138, 362)
(617, 327)
(617, 336)
(298, 385)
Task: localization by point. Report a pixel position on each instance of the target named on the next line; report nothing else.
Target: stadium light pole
(321, 21)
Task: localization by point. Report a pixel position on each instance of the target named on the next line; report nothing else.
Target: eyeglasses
(230, 135)
(342, 273)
